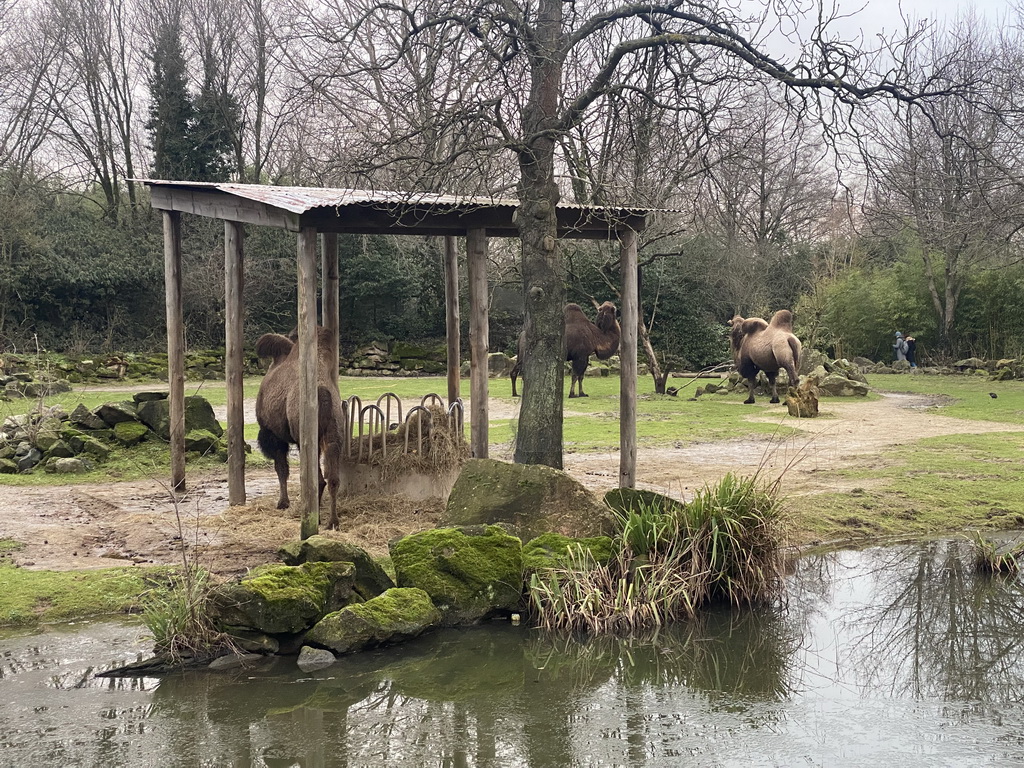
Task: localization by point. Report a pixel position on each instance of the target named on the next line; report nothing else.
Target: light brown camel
(277, 412)
(769, 347)
(582, 339)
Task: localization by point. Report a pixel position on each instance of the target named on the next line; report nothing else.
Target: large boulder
(370, 578)
(156, 414)
(284, 599)
(530, 499)
(553, 550)
(470, 573)
(811, 359)
(396, 615)
(837, 385)
(86, 419)
(113, 414)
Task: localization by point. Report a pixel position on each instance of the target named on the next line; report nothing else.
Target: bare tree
(951, 176)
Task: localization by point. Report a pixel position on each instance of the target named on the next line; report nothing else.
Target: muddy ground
(93, 526)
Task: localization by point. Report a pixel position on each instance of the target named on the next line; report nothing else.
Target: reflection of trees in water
(933, 627)
(489, 696)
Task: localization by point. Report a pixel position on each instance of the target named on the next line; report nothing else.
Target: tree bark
(539, 437)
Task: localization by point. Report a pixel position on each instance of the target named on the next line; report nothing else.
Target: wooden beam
(476, 250)
(234, 282)
(628, 359)
(175, 346)
(309, 459)
(452, 319)
(331, 316)
(215, 204)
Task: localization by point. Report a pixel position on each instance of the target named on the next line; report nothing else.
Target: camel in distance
(277, 412)
(769, 347)
(583, 338)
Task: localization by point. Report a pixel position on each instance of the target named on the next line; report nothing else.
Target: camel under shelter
(323, 213)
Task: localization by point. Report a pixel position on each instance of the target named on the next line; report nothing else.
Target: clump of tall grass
(178, 614)
(723, 545)
(989, 558)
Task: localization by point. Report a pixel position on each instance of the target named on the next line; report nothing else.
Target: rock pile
(57, 441)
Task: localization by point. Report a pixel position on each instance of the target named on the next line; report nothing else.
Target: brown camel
(582, 339)
(769, 347)
(277, 412)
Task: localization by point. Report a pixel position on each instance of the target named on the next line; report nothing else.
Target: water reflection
(887, 650)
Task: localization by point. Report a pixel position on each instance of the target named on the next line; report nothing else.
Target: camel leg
(332, 463)
(772, 380)
(275, 448)
(513, 375)
(750, 392)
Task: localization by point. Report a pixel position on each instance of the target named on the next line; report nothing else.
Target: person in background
(899, 348)
(911, 351)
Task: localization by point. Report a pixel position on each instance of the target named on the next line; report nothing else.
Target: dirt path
(92, 526)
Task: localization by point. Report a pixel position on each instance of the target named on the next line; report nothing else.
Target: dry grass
(443, 446)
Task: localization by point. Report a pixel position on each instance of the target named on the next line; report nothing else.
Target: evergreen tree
(172, 114)
(216, 119)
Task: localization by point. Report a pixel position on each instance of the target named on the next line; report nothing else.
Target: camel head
(606, 317)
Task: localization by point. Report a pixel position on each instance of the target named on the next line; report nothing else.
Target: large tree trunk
(539, 437)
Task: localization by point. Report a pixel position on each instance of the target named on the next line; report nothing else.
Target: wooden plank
(628, 359)
(308, 447)
(452, 319)
(234, 282)
(222, 205)
(476, 250)
(175, 346)
(331, 319)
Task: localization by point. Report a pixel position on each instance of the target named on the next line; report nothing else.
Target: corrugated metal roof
(302, 199)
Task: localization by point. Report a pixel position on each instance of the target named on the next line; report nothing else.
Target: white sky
(879, 15)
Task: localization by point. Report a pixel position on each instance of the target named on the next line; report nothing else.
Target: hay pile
(443, 446)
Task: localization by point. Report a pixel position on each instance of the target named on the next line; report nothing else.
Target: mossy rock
(530, 499)
(60, 450)
(370, 578)
(395, 615)
(45, 440)
(201, 441)
(551, 550)
(626, 500)
(8, 467)
(404, 349)
(130, 432)
(284, 599)
(95, 448)
(470, 573)
(145, 397)
(86, 419)
(113, 414)
(156, 414)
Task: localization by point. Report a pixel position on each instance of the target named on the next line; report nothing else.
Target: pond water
(887, 655)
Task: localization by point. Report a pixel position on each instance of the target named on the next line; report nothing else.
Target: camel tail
(274, 346)
(795, 348)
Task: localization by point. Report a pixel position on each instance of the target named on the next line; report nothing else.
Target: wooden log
(476, 250)
(234, 282)
(452, 319)
(628, 359)
(331, 316)
(175, 346)
(309, 478)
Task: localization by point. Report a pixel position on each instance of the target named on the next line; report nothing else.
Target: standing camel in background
(769, 347)
(582, 339)
(277, 412)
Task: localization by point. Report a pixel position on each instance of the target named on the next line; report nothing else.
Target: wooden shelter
(310, 212)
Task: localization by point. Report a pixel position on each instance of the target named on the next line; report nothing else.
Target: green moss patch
(398, 614)
(551, 550)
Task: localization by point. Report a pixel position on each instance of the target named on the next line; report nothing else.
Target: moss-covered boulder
(8, 467)
(283, 599)
(113, 414)
(60, 450)
(95, 448)
(84, 418)
(528, 498)
(156, 414)
(626, 500)
(201, 441)
(130, 433)
(469, 573)
(837, 385)
(552, 550)
(396, 615)
(370, 578)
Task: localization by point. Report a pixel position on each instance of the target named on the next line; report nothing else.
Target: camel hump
(574, 314)
(783, 319)
(753, 325)
(273, 345)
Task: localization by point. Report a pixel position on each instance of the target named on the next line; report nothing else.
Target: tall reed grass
(723, 545)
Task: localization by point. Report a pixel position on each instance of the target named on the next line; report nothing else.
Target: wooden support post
(627, 357)
(175, 346)
(331, 316)
(476, 251)
(451, 301)
(309, 459)
(234, 282)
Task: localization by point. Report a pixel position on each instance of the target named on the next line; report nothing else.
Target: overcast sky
(885, 14)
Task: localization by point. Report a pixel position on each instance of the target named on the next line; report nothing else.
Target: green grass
(938, 484)
(33, 597)
(962, 397)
